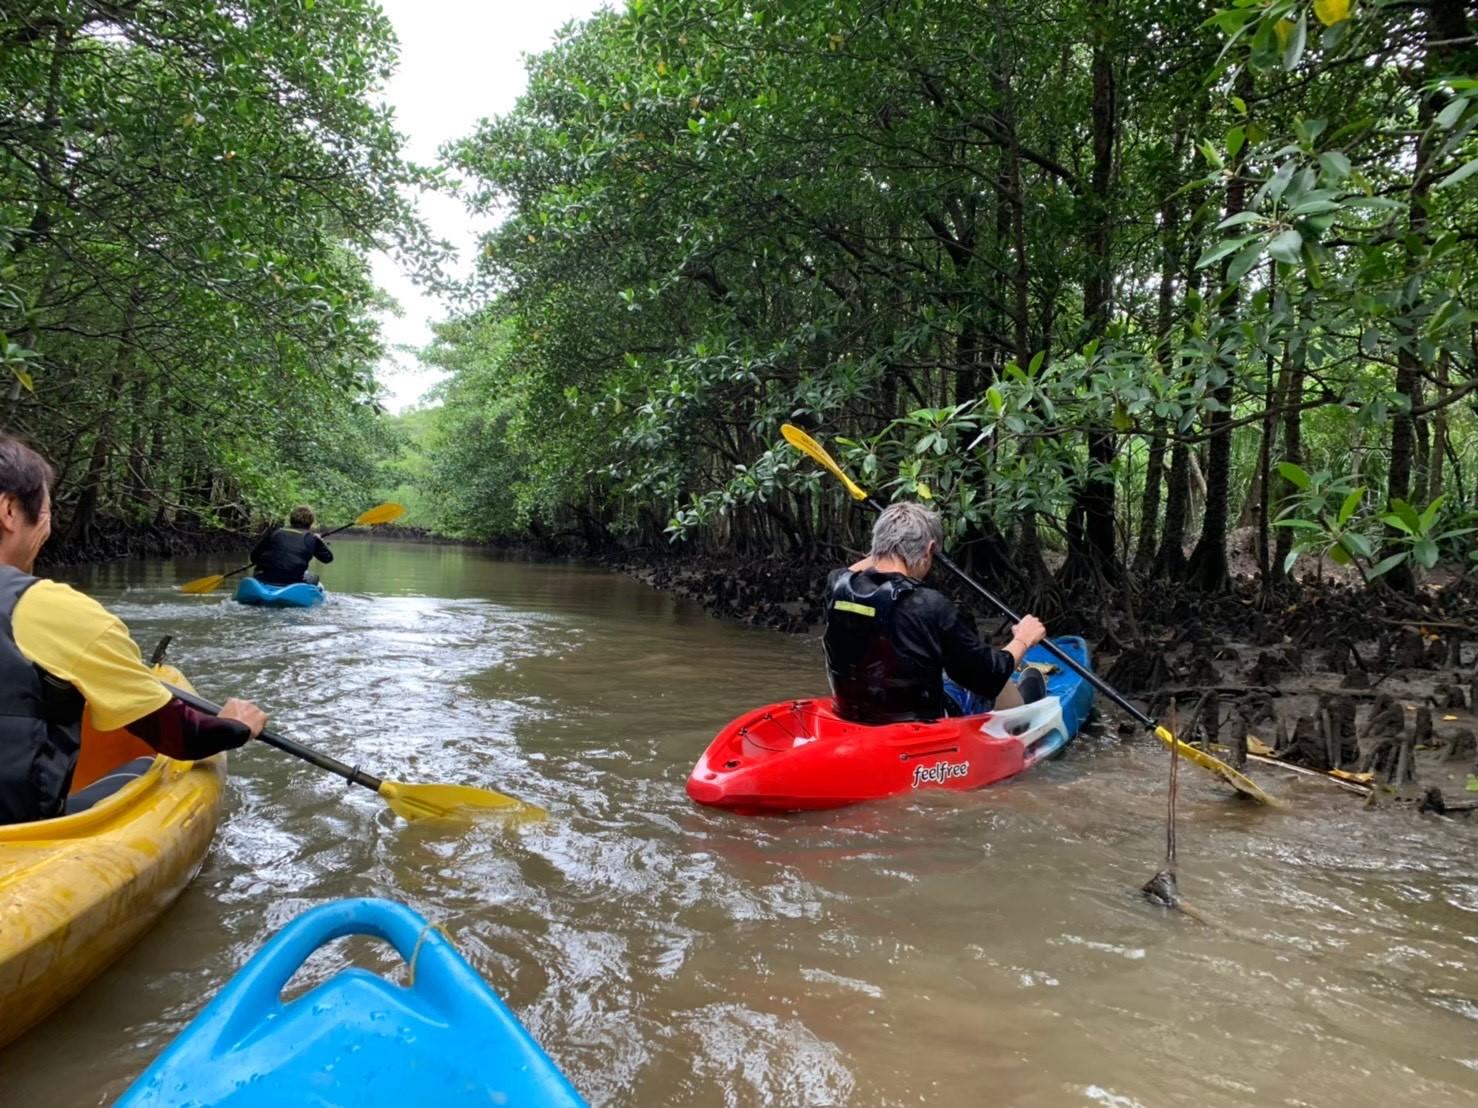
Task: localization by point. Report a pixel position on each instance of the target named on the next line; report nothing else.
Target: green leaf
(1294, 50)
(1286, 247)
(1235, 140)
(1409, 515)
(1385, 565)
(1288, 561)
(1339, 555)
(1278, 183)
(1391, 519)
(1332, 12)
(1222, 249)
(1429, 515)
(1452, 113)
(1462, 173)
(1243, 262)
(1314, 207)
(1425, 552)
(1336, 165)
(1294, 474)
(1347, 509)
(1237, 220)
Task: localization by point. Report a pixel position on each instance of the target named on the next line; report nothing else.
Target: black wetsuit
(282, 555)
(890, 639)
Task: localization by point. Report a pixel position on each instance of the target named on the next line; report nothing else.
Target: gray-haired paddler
(898, 650)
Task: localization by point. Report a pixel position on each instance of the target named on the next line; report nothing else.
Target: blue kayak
(1074, 693)
(356, 1039)
(299, 595)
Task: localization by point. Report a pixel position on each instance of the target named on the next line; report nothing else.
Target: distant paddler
(283, 554)
(60, 651)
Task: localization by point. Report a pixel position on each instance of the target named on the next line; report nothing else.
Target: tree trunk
(1439, 432)
(1257, 501)
(1149, 508)
(1290, 397)
(85, 515)
(1091, 545)
(1154, 471)
(1170, 560)
(1447, 28)
(1207, 567)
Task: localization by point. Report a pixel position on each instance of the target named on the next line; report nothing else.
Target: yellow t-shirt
(76, 639)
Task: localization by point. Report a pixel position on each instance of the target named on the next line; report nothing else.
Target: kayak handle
(255, 993)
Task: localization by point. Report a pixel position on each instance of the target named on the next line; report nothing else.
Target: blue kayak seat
(115, 779)
(355, 1039)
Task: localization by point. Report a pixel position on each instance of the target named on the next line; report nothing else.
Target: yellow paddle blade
(203, 584)
(461, 802)
(814, 450)
(1242, 783)
(384, 513)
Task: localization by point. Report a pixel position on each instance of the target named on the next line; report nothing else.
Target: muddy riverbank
(110, 539)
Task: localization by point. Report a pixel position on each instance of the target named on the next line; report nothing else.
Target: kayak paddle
(410, 802)
(1243, 784)
(384, 513)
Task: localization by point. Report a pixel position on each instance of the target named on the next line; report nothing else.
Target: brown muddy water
(942, 949)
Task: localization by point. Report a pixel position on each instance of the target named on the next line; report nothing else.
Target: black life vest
(40, 722)
(285, 555)
(871, 680)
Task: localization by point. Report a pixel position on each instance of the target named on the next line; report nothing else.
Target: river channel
(943, 949)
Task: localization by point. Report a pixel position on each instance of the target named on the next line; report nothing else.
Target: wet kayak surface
(939, 948)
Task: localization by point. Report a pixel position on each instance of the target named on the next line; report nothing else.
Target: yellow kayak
(79, 890)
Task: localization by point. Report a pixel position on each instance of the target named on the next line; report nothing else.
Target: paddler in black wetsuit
(281, 556)
(898, 650)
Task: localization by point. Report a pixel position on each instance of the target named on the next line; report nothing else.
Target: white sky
(460, 60)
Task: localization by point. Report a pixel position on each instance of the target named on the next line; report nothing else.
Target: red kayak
(800, 755)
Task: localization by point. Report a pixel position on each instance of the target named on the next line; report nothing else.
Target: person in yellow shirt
(60, 650)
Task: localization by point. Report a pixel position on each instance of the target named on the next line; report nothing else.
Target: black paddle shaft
(1056, 651)
(288, 746)
(336, 530)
